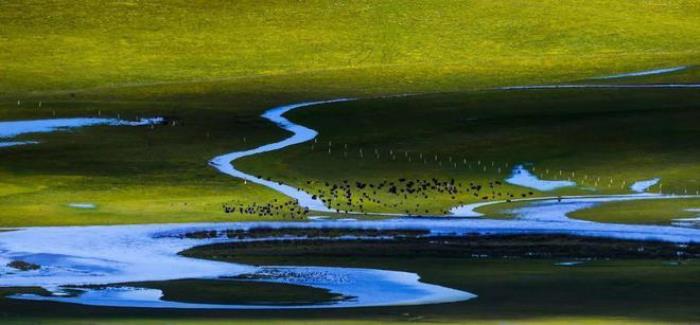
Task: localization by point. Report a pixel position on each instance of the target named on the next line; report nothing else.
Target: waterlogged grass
(654, 211)
(648, 211)
(502, 210)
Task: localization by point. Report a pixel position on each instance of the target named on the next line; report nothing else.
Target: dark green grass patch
(476, 246)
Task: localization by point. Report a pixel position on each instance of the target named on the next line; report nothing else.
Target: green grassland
(218, 65)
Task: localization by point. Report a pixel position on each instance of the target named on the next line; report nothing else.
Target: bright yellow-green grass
(122, 204)
(234, 59)
(356, 46)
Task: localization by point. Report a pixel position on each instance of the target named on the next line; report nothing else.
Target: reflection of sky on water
(11, 129)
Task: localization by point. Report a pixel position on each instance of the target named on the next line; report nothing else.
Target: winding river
(71, 257)
(300, 134)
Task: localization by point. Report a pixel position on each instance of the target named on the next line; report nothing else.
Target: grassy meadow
(359, 46)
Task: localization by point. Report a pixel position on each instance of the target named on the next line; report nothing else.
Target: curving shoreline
(104, 255)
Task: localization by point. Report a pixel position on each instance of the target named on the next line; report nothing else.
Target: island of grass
(233, 291)
(23, 266)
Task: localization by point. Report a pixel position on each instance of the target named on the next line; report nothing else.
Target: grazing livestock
(402, 194)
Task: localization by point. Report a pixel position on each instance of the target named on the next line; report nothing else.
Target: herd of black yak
(402, 195)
